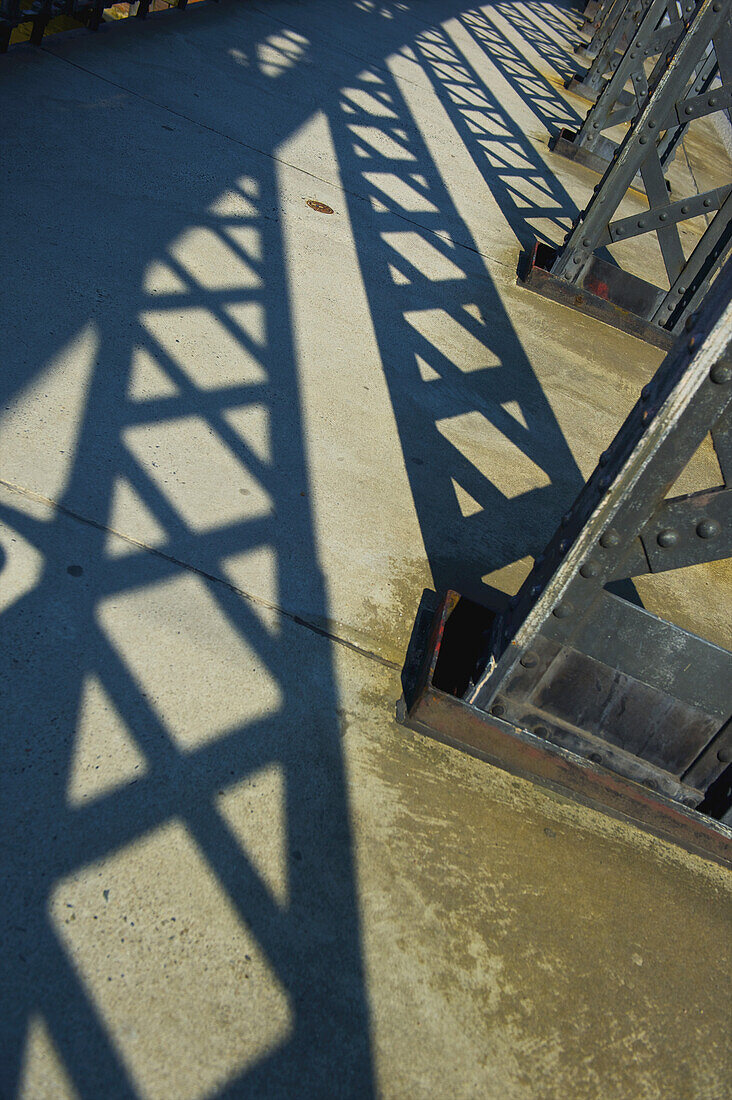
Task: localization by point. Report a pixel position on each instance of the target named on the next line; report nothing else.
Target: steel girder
(576, 273)
(574, 686)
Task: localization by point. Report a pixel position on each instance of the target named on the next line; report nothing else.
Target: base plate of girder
(597, 159)
(607, 293)
(577, 85)
(430, 705)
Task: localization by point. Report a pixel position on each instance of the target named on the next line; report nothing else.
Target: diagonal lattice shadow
(190, 440)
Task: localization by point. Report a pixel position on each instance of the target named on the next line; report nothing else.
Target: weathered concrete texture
(237, 439)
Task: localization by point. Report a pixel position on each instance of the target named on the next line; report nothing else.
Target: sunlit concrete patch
(180, 984)
(453, 341)
(233, 204)
(21, 566)
(421, 254)
(128, 512)
(201, 478)
(365, 103)
(161, 279)
(198, 672)
(148, 378)
(509, 578)
(247, 239)
(257, 571)
(211, 263)
(468, 505)
(205, 348)
(398, 276)
(500, 461)
(105, 756)
(40, 425)
(252, 424)
(375, 142)
(397, 191)
(514, 410)
(426, 372)
(280, 52)
(256, 812)
(43, 1075)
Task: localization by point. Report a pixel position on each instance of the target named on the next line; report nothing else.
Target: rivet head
(721, 373)
(529, 660)
(586, 242)
(725, 754)
(590, 569)
(690, 802)
(684, 209)
(563, 610)
(667, 538)
(642, 139)
(595, 758)
(498, 710)
(707, 202)
(708, 528)
(641, 223)
(690, 322)
(663, 217)
(687, 110)
(610, 538)
(541, 731)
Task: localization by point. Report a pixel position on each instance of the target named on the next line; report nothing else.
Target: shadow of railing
(455, 366)
(188, 438)
(551, 37)
(175, 363)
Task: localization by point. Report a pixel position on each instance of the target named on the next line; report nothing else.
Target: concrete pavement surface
(238, 438)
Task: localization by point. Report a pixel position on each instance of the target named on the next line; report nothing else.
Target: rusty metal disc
(320, 207)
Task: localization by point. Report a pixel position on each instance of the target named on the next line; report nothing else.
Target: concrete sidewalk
(238, 437)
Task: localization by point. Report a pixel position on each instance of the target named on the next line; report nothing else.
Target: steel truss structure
(659, 27)
(41, 12)
(571, 684)
(576, 273)
(620, 22)
(597, 25)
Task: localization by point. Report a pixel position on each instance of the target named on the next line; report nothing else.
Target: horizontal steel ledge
(577, 85)
(658, 653)
(534, 274)
(595, 159)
